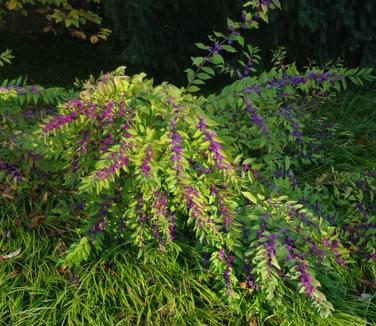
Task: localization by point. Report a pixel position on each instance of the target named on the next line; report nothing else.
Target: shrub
(155, 173)
(27, 181)
(161, 169)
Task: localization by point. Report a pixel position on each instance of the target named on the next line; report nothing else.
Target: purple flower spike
(118, 160)
(214, 147)
(255, 118)
(175, 147)
(306, 279)
(216, 48)
(224, 212)
(221, 253)
(171, 227)
(145, 166)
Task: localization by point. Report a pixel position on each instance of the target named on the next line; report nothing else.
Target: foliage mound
(160, 169)
(154, 173)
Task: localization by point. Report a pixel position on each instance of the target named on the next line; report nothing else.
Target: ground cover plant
(238, 187)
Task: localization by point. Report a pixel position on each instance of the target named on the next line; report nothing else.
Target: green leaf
(277, 4)
(190, 74)
(193, 89)
(250, 197)
(197, 61)
(229, 48)
(218, 34)
(209, 70)
(217, 59)
(203, 76)
(238, 38)
(198, 82)
(202, 46)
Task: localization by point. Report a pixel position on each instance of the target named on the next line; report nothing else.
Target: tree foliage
(61, 12)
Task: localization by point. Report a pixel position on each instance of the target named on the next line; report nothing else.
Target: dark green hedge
(158, 36)
(326, 29)
(161, 33)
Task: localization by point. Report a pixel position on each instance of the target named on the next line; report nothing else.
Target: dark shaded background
(158, 36)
